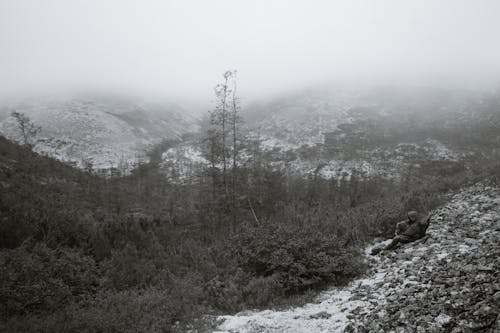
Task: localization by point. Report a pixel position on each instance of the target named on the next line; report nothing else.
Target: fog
(178, 49)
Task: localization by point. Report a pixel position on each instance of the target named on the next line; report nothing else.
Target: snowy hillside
(372, 131)
(301, 119)
(305, 118)
(104, 132)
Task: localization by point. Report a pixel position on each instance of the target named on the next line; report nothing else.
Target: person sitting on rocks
(407, 231)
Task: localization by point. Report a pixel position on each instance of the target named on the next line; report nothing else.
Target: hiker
(407, 231)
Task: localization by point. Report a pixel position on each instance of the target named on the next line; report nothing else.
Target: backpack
(424, 224)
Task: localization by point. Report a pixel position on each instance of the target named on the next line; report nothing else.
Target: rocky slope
(105, 132)
(446, 282)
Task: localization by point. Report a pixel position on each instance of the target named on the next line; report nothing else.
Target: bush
(128, 269)
(40, 279)
(297, 258)
(135, 310)
(262, 290)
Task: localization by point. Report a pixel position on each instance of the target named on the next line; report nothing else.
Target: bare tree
(224, 142)
(236, 144)
(235, 121)
(219, 120)
(27, 128)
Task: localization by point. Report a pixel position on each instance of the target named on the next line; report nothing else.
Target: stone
(443, 319)
(485, 268)
(320, 315)
(496, 299)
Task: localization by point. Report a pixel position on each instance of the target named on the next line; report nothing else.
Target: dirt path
(448, 283)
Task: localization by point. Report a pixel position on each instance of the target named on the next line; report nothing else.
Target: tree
(224, 141)
(220, 118)
(235, 121)
(27, 128)
(220, 126)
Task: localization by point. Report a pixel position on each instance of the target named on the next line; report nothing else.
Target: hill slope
(102, 131)
(333, 132)
(446, 282)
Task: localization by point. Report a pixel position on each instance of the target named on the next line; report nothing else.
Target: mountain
(377, 130)
(102, 131)
(309, 117)
(373, 131)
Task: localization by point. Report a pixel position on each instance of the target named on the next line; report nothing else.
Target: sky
(179, 49)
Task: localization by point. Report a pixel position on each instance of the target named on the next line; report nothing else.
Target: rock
(320, 315)
(357, 310)
(496, 299)
(468, 268)
(409, 290)
(349, 328)
(485, 310)
(485, 268)
(497, 226)
(443, 320)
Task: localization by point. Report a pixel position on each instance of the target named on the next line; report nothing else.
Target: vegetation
(141, 252)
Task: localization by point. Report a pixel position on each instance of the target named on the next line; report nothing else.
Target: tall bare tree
(219, 119)
(224, 142)
(235, 121)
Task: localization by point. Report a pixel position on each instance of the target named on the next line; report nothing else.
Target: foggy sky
(178, 49)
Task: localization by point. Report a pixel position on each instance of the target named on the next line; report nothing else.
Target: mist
(178, 49)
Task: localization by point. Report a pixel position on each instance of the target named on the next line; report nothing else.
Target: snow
(376, 163)
(327, 314)
(182, 163)
(433, 149)
(441, 255)
(438, 151)
(106, 133)
(338, 169)
(187, 153)
(315, 317)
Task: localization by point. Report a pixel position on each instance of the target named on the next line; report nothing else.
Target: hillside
(378, 130)
(103, 132)
(306, 118)
(373, 132)
(447, 282)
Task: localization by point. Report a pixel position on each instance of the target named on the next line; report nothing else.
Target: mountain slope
(379, 131)
(104, 132)
(306, 117)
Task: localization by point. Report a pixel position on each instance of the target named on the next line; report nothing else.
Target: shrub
(298, 258)
(262, 291)
(225, 292)
(42, 279)
(238, 290)
(135, 310)
(131, 267)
